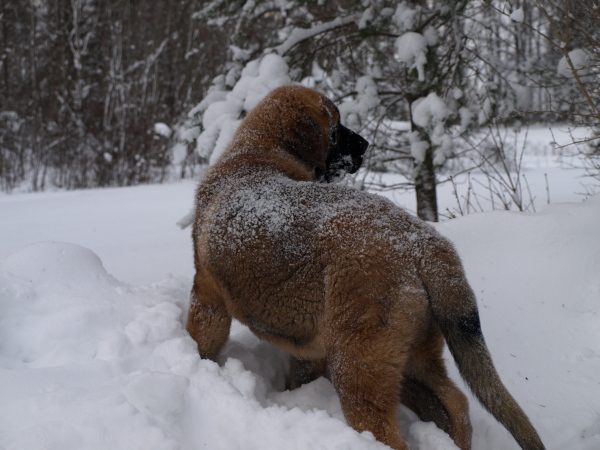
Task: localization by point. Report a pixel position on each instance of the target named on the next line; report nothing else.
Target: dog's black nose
(361, 143)
(346, 156)
(351, 142)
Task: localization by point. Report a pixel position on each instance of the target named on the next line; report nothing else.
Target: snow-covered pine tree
(385, 64)
(413, 77)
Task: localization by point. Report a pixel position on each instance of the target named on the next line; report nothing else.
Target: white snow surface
(94, 352)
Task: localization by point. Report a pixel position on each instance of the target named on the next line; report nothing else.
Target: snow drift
(91, 362)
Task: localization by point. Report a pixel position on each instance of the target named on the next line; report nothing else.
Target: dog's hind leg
(364, 370)
(427, 390)
(208, 320)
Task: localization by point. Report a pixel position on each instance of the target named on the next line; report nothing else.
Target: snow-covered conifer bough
(347, 283)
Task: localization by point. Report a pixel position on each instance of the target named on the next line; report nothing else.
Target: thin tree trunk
(425, 187)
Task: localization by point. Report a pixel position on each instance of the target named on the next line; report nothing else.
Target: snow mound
(90, 362)
(57, 264)
(87, 361)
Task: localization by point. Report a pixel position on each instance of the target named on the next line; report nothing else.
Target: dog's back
(275, 245)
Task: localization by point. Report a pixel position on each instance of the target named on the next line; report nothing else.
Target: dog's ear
(304, 136)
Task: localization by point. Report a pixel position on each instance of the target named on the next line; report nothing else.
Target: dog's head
(310, 129)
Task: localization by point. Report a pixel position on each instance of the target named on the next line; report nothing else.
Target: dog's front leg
(208, 319)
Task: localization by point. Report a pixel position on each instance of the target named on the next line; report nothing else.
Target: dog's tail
(454, 307)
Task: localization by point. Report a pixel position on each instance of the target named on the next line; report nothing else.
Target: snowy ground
(94, 353)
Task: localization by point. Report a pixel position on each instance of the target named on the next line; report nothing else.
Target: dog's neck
(258, 157)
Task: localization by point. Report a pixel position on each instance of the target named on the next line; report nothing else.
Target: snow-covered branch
(301, 34)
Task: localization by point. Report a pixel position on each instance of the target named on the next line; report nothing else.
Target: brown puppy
(337, 277)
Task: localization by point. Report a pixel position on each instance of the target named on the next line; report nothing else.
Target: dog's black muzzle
(345, 155)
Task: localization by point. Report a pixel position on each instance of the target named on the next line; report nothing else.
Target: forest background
(122, 92)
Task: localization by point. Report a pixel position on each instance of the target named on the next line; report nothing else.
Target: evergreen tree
(383, 63)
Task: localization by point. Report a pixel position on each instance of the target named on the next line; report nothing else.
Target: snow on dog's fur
(344, 281)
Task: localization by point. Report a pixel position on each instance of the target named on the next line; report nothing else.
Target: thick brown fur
(338, 278)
